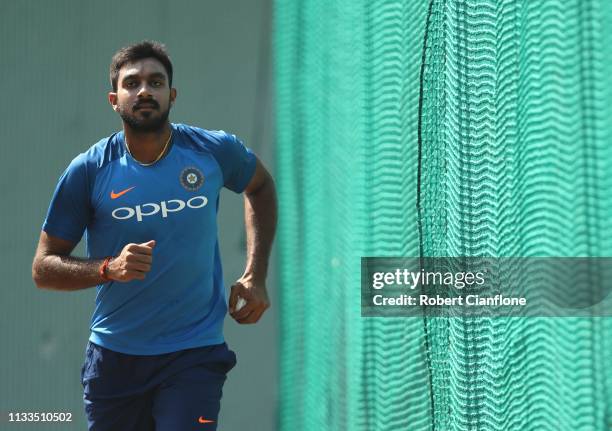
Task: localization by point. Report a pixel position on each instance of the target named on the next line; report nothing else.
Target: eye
(157, 83)
(130, 84)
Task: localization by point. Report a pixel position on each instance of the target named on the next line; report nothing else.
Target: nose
(143, 91)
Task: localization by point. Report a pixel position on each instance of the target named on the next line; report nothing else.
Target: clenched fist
(254, 296)
(133, 262)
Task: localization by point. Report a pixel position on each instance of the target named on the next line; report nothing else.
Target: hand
(133, 262)
(256, 298)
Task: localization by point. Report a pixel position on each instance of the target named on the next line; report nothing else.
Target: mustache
(142, 103)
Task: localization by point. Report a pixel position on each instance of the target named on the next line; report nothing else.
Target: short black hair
(139, 51)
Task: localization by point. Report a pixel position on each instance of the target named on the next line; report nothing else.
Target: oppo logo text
(164, 207)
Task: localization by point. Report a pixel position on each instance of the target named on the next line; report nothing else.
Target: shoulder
(105, 151)
(96, 157)
(205, 140)
(237, 162)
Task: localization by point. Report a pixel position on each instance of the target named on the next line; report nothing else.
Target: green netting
(441, 128)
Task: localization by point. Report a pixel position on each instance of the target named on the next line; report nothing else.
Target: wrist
(103, 270)
(255, 278)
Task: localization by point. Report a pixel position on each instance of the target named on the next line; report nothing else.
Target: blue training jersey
(115, 200)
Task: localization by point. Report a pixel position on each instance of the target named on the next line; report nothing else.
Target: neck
(146, 146)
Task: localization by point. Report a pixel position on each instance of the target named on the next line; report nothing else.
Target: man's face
(143, 98)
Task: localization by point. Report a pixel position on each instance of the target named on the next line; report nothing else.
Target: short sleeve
(237, 163)
(70, 210)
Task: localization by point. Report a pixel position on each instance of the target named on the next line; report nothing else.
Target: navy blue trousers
(169, 392)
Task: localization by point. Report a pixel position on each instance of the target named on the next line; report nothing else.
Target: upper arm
(70, 210)
(236, 161)
(259, 178)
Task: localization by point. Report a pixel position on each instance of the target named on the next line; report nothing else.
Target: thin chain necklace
(158, 157)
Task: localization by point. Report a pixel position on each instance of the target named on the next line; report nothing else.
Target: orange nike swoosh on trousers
(205, 421)
(121, 193)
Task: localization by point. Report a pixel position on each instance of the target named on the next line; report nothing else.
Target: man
(147, 199)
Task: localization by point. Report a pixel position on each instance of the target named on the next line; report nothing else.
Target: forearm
(67, 273)
(260, 208)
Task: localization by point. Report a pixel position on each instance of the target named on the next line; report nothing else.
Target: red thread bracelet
(103, 268)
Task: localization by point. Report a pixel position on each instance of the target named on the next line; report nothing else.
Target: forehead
(142, 68)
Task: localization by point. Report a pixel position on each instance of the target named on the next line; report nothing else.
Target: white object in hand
(240, 303)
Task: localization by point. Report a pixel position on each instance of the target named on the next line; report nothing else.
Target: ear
(112, 99)
(172, 96)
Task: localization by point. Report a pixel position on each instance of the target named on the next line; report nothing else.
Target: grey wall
(54, 82)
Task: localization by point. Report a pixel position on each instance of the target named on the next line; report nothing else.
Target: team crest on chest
(192, 178)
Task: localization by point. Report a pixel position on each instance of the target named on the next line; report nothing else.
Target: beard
(149, 122)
